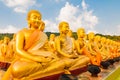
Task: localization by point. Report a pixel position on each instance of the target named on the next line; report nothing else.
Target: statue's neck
(63, 35)
(81, 39)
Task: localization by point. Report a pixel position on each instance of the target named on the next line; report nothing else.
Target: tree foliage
(112, 37)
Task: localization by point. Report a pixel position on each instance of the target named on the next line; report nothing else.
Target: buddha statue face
(34, 19)
(64, 27)
(81, 33)
(52, 37)
(103, 39)
(6, 40)
(97, 38)
(1, 41)
(91, 36)
(70, 33)
(107, 41)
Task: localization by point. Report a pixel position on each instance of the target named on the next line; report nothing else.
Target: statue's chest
(63, 42)
(81, 44)
(27, 35)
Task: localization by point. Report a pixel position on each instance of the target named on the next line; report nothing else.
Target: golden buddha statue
(4, 47)
(108, 47)
(51, 43)
(97, 42)
(1, 42)
(33, 58)
(118, 49)
(93, 51)
(104, 49)
(80, 42)
(65, 48)
(11, 49)
(115, 49)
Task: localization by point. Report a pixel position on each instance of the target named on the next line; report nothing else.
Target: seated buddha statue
(92, 50)
(104, 49)
(11, 49)
(80, 42)
(108, 46)
(1, 42)
(33, 58)
(111, 50)
(115, 49)
(51, 43)
(118, 49)
(65, 48)
(4, 47)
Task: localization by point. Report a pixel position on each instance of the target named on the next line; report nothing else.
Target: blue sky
(99, 16)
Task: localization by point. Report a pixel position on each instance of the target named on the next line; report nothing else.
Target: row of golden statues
(7, 49)
(32, 55)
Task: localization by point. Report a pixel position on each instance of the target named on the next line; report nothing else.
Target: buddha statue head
(64, 27)
(52, 37)
(6, 40)
(1, 41)
(97, 38)
(81, 33)
(108, 41)
(91, 36)
(103, 40)
(34, 19)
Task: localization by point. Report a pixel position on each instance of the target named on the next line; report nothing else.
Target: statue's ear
(28, 23)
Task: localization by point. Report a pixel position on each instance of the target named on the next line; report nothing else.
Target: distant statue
(51, 43)
(1, 42)
(81, 41)
(4, 47)
(104, 49)
(92, 50)
(11, 51)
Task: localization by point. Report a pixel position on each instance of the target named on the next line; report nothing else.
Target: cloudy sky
(100, 16)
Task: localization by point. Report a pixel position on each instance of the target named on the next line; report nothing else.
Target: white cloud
(9, 29)
(113, 32)
(68, 12)
(118, 29)
(50, 26)
(58, 0)
(92, 30)
(76, 17)
(84, 5)
(20, 9)
(19, 5)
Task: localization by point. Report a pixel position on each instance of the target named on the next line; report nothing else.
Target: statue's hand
(74, 56)
(43, 59)
(48, 59)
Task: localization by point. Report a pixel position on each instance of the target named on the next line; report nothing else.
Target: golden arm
(57, 43)
(78, 47)
(20, 51)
